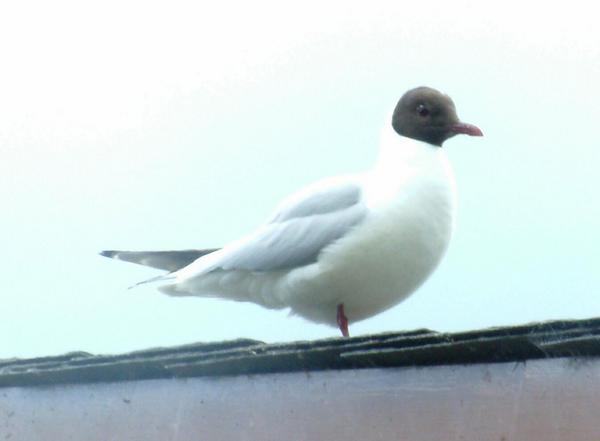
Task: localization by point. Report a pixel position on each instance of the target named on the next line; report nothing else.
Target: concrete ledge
(577, 338)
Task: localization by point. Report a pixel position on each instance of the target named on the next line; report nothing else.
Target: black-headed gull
(346, 248)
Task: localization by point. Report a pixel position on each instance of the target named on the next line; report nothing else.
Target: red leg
(342, 320)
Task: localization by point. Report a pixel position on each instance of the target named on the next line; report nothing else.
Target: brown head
(428, 115)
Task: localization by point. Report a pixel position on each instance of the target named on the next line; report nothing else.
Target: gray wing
(302, 227)
(299, 230)
(165, 260)
(320, 201)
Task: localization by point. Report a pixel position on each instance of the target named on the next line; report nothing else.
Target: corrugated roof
(573, 338)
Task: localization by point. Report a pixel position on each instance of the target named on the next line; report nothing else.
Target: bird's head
(428, 115)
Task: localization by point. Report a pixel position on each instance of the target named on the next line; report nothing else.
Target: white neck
(397, 150)
(404, 161)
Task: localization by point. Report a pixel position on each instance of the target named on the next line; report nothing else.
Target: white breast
(411, 197)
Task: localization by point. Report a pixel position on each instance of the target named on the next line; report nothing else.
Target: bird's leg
(342, 320)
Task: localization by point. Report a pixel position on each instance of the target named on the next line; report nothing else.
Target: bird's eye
(422, 110)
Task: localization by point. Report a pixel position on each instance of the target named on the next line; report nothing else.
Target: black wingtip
(108, 253)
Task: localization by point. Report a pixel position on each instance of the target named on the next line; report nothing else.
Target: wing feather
(165, 260)
(299, 230)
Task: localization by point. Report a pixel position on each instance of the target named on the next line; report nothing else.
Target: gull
(345, 248)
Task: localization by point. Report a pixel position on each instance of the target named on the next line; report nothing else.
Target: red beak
(466, 129)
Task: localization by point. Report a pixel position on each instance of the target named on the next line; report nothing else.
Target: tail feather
(162, 277)
(164, 260)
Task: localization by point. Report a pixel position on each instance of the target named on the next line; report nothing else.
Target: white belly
(381, 262)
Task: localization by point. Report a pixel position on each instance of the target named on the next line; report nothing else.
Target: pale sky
(170, 125)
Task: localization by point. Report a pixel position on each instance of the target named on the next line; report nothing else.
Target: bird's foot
(342, 320)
